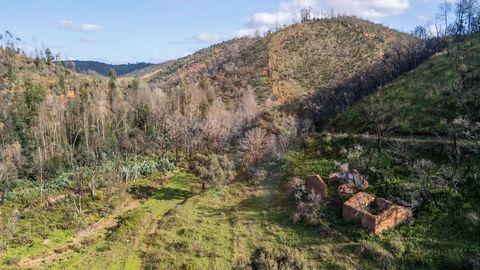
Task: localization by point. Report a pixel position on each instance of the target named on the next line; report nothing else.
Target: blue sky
(120, 31)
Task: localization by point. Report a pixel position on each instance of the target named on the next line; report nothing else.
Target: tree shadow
(281, 211)
(142, 192)
(167, 193)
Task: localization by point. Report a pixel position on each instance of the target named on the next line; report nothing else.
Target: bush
(254, 148)
(259, 176)
(165, 165)
(214, 169)
(147, 167)
(275, 259)
(60, 182)
(307, 203)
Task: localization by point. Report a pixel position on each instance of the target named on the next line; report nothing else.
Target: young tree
(461, 11)
(219, 126)
(306, 14)
(112, 84)
(48, 56)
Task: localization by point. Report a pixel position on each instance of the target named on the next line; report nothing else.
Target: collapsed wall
(375, 214)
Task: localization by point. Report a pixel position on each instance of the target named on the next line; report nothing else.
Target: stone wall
(316, 184)
(391, 215)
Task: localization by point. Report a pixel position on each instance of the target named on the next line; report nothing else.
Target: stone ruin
(316, 184)
(375, 214)
(348, 182)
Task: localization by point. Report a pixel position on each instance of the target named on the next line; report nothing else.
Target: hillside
(291, 62)
(16, 70)
(420, 101)
(103, 68)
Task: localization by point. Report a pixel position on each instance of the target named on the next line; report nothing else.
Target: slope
(419, 101)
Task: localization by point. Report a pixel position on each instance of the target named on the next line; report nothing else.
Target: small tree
(48, 56)
(112, 84)
(253, 148)
(214, 170)
(10, 159)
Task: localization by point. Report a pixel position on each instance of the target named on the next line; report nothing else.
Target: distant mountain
(103, 68)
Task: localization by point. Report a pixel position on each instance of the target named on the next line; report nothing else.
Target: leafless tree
(219, 126)
(306, 14)
(249, 109)
(253, 148)
(444, 10)
(10, 161)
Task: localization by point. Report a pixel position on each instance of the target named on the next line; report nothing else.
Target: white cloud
(209, 38)
(295, 5)
(289, 11)
(69, 25)
(90, 27)
(270, 19)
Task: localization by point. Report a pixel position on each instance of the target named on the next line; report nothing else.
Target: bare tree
(461, 12)
(10, 160)
(306, 14)
(253, 148)
(444, 10)
(249, 109)
(219, 126)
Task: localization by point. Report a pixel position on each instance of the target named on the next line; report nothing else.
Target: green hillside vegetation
(419, 100)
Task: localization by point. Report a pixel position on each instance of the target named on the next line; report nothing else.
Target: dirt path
(76, 241)
(413, 139)
(81, 248)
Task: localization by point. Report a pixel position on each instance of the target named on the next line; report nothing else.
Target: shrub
(278, 259)
(259, 176)
(307, 203)
(214, 169)
(147, 167)
(165, 165)
(60, 182)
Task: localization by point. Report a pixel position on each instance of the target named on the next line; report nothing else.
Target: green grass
(120, 247)
(418, 100)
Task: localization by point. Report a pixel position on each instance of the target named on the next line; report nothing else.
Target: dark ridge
(103, 68)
